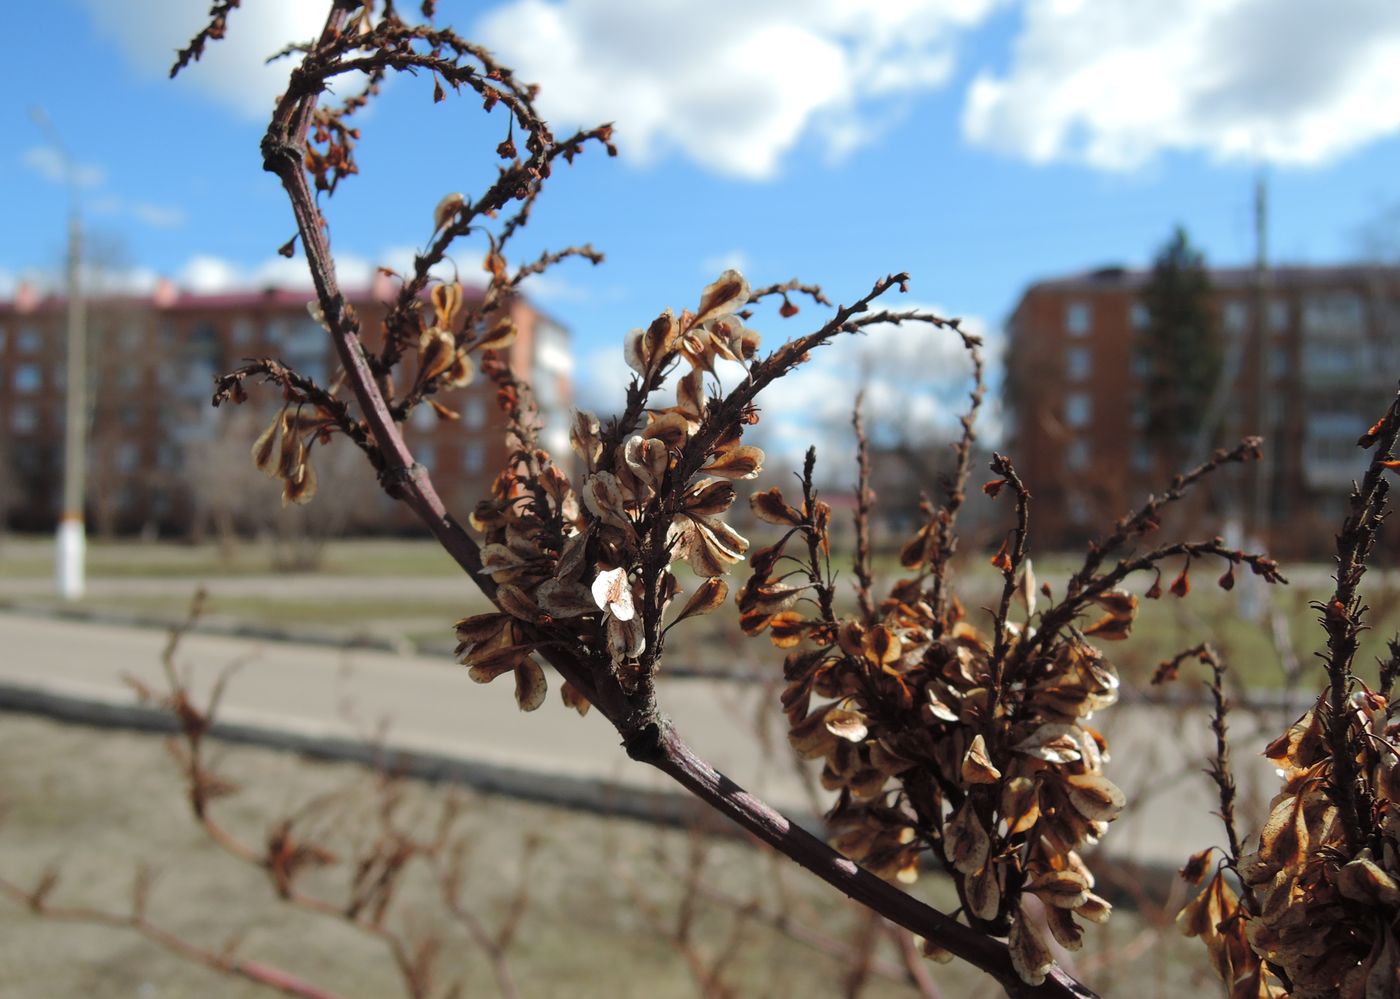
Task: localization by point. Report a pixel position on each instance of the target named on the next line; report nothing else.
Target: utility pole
(1264, 468)
(71, 542)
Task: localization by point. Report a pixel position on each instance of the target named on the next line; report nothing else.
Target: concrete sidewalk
(328, 701)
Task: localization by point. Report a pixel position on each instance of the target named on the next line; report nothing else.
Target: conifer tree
(1182, 347)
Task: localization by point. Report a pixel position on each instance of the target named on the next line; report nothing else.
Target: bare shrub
(947, 743)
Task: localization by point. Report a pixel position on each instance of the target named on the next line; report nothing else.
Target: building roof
(1115, 278)
(178, 300)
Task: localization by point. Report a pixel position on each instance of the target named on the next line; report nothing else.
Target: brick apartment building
(1324, 361)
(152, 361)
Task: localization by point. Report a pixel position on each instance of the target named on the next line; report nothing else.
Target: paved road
(431, 707)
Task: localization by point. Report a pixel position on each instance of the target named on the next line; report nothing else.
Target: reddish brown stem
(650, 739)
(258, 972)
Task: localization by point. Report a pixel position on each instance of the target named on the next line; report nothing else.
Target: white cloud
(50, 164)
(54, 167)
(916, 380)
(600, 380)
(96, 279)
(233, 70)
(713, 266)
(731, 84)
(1113, 84)
(464, 265)
(556, 290)
(120, 280)
(209, 275)
(146, 212)
(157, 216)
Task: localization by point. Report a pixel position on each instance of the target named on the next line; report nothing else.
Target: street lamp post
(71, 540)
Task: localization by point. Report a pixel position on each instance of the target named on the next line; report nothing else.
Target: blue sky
(978, 144)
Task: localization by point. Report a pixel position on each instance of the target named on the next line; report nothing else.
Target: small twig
(1012, 558)
(223, 961)
(1342, 616)
(864, 498)
(1219, 770)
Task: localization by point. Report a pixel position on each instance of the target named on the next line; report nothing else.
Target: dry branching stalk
(389, 844)
(1312, 911)
(942, 744)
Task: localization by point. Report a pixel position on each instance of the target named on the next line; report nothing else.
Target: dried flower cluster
(966, 742)
(942, 740)
(593, 561)
(1313, 910)
(1322, 902)
(283, 450)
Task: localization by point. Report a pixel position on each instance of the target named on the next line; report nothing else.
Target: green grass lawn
(31, 557)
(378, 609)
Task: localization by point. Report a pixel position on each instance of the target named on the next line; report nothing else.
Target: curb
(306, 636)
(597, 796)
(1124, 882)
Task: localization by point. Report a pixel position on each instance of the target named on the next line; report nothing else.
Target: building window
(304, 347)
(474, 413)
(1321, 358)
(1278, 316)
(1137, 414)
(1077, 454)
(1141, 457)
(1077, 363)
(1336, 314)
(425, 455)
(28, 341)
(24, 418)
(1141, 364)
(130, 336)
(1077, 507)
(424, 418)
(1139, 316)
(1078, 318)
(474, 457)
(27, 378)
(128, 456)
(1235, 317)
(1078, 409)
(129, 415)
(1278, 362)
(241, 332)
(2, 339)
(552, 348)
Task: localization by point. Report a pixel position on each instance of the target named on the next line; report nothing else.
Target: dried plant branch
(1220, 771)
(225, 961)
(943, 537)
(646, 736)
(864, 500)
(1342, 620)
(781, 919)
(937, 742)
(1089, 584)
(212, 31)
(1009, 560)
